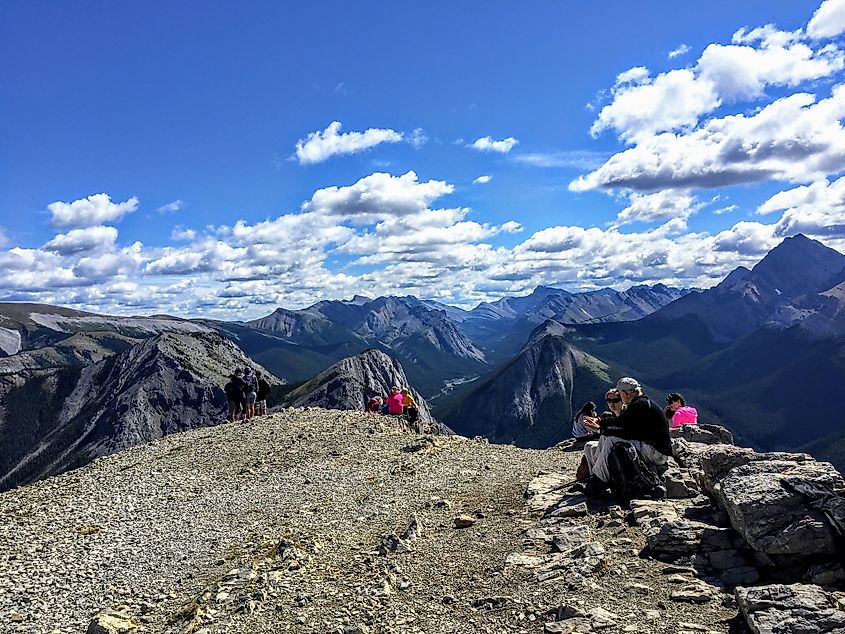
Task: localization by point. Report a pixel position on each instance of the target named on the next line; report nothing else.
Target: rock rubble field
(312, 520)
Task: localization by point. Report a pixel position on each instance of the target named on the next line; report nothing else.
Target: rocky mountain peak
(351, 382)
(799, 265)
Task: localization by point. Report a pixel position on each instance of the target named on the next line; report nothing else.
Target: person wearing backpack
(250, 392)
(642, 425)
(234, 390)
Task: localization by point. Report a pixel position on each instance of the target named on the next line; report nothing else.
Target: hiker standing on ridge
(250, 392)
(234, 390)
(261, 395)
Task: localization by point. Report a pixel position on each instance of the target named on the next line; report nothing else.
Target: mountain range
(762, 352)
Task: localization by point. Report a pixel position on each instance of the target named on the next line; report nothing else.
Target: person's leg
(590, 451)
(602, 452)
(233, 408)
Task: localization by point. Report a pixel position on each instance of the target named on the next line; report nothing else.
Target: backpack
(233, 391)
(630, 477)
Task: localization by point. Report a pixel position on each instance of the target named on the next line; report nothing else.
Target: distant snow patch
(10, 341)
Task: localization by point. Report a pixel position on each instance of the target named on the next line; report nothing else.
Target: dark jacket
(642, 420)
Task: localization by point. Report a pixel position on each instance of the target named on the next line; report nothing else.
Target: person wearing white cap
(642, 423)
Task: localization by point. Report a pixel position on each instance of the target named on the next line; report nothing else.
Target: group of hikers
(627, 447)
(399, 402)
(246, 393)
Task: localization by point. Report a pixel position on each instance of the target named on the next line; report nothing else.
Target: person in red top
(374, 406)
(395, 402)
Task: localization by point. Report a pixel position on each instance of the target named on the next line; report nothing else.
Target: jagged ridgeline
(352, 381)
(92, 385)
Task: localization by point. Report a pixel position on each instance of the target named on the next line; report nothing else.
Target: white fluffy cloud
(817, 210)
(93, 210)
(660, 206)
(642, 105)
(828, 20)
(796, 138)
(86, 240)
(376, 196)
(483, 179)
(488, 144)
(322, 145)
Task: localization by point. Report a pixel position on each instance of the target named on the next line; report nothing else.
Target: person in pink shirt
(682, 414)
(395, 402)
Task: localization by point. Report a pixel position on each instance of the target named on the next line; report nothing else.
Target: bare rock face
(168, 383)
(351, 382)
(786, 609)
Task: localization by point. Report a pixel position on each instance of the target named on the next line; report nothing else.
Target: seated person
(395, 402)
(585, 425)
(682, 414)
(374, 405)
(642, 424)
(409, 405)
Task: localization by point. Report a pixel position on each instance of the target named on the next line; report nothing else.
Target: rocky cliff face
(61, 417)
(350, 383)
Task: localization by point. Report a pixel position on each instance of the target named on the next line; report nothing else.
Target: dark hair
(588, 407)
(675, 396)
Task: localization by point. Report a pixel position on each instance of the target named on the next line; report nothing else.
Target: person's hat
(627, 384)
(237, 372)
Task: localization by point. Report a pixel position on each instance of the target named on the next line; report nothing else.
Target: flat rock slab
(574, 564)
(545, 490)
(790, 609)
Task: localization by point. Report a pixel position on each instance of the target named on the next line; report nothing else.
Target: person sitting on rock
(642, 424)
(409, 405)
(682, 414)
(395, 402)
(374, 406)
(585, 425)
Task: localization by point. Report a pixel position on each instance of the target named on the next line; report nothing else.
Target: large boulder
(705, 433)
(765, 506)
(790, 609)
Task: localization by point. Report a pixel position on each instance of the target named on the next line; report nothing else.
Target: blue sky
(149, 158)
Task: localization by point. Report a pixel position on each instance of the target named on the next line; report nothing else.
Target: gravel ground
(275, 526)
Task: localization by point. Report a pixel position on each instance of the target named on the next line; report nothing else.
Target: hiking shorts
(250, 397)
(234, 407)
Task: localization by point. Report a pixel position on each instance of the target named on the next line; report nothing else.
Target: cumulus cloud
(93, 210)
(828, 20)
(172, 207)
(817, 210)
(795, 138)
(377, 195)
(683, 49)
(86, 240)
(488, 144)
(660, 206)
(483, 179)
(320, 146)
(678, 99)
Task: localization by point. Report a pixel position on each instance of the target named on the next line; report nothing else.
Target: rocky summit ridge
(313, 520)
